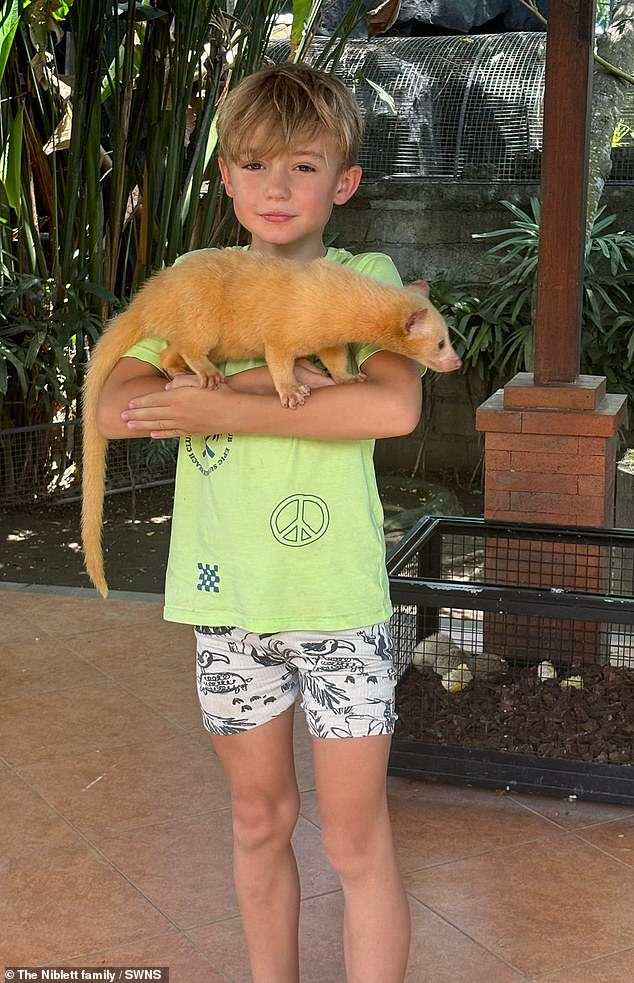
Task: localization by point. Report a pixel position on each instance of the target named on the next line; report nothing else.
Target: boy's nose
(277, 185)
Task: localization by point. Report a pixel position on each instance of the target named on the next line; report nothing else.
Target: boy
(277, 554)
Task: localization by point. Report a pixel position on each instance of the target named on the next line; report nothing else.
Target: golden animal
(234, 304)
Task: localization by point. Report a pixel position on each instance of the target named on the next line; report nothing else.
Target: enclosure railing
(43, 464)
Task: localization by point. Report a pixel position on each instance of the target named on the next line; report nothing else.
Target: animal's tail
(95, 448)
(111, 346)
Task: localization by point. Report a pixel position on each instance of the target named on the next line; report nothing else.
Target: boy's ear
(226, 176)
(348, 184)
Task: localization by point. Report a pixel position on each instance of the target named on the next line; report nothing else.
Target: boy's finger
(160, 426)
(182, 381)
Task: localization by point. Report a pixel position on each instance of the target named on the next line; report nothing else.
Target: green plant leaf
(142, 11)
(11, 161)
(301, 11)
(34, 348)
(606, 297)
(383, 95)
(61, 9)
(8, 356)
(9, 20)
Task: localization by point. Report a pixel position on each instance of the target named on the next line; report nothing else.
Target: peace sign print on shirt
(300, 520)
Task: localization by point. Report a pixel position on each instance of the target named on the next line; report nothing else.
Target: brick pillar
(550, 459)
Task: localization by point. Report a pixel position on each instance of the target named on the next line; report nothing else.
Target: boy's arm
(387, 404)
(130, 378)
(134, 377)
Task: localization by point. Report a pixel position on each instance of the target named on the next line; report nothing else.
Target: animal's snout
(446, 361)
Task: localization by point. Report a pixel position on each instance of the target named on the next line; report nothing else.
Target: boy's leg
(265, 805)
(357, 837)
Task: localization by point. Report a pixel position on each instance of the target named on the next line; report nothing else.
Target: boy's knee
(352, 846)
(346, 850)
(259, 821)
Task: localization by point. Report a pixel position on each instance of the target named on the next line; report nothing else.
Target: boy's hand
(184, 407)
(179, 409)
(309, 374)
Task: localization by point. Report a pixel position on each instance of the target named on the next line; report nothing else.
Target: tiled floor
(115, 833)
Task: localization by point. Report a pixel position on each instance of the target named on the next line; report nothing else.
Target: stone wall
(427, 227)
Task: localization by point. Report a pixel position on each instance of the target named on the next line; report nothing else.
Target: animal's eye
(441, 344)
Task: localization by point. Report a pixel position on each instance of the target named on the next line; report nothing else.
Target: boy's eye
(306, 168)
(252, 165)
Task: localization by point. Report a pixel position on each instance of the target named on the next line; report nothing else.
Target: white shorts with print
(346, 679)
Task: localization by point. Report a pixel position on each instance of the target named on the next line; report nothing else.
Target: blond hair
(280, 104)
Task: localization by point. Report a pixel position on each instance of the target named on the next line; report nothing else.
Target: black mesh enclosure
(515, 656)
(467, 108)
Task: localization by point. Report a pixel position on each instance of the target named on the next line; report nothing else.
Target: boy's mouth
(277, 216)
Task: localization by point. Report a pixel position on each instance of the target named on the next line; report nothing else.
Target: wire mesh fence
(516, 640)
(42, 464)
(466, 108)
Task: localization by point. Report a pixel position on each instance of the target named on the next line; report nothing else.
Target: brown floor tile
(106, 792)
(128, 649)
(539, 906)
(434, 824)
(76, 720)
(56, 902)
(618, 968)
(172, 694)
(506, 888)
(60, 615)
(33, 663)
(28, 824)
(321, 948)
(185, 867)
(321, 940)
(615, 838)
(185, 962)
(20, 613)
(572, 814)
(315, 873)
(303, 747)
(223, 942)
(310, 807)
(440, 953)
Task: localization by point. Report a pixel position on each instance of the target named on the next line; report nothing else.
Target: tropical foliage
(493, 330)
(107, 164)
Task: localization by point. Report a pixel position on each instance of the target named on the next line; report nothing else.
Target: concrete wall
(427, 227)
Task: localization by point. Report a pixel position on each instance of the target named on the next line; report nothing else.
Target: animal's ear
(416, 324)
(421, 285)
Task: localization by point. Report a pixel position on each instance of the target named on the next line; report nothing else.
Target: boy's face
(285, 199)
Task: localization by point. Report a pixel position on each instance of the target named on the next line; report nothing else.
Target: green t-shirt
(278, 533)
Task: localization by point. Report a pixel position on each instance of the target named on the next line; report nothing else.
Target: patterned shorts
(346, 679)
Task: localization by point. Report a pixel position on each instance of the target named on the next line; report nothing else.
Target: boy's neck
(301, 252)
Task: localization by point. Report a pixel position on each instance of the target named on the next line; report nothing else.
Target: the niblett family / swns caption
(104, 974)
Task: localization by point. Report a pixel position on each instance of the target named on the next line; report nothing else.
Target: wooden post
(551, 437)
(568, 88)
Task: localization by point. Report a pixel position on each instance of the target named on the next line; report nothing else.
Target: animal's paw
(294, 396)
(346, 378)
(211, 380)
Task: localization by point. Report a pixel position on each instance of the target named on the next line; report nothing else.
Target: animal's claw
(295, 397)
